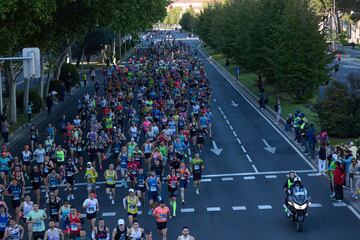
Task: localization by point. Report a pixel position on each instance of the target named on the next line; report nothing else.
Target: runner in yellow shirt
(110, 176)
(131, 204)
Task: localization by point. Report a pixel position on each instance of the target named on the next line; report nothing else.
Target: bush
(55, 85)
(339, 111)
(34, 97)
(74, 74)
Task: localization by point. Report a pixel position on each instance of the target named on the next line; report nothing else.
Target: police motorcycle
(298, 203)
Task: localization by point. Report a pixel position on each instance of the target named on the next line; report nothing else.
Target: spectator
(339, 180)
(29, 111)
(289, 123)
(277, 109)
(49, 103)
(354, 177)
(322, 158)
(353, 149)
(92, 73)
(263, 100)
(84, 78)
(311, 140)
(5, 127)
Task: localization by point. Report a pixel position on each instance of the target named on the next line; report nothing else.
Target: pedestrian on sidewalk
(84, 78)
(5, 127)
(263, 100)
(322, 158)
(354, 176)
(311, 140)
(92, 73)
(29, 111)
(277, 109)
(49, 103)
(289, 123)
(339, 177)
(227, 64)
(260, 83)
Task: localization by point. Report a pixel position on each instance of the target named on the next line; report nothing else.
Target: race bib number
(74, 227)
(153, 188)
(197, 167)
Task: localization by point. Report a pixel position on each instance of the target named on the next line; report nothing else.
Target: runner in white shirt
(185, 234)
(92, 206)
(39, 153)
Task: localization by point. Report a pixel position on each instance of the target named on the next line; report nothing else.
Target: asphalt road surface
(241, 194)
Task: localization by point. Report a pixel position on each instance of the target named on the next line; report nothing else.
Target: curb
(270, 115)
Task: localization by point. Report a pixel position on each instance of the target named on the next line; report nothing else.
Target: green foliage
(34, 97)
(339, 111)
(69, 71)
(188, 20)
(173, 16)
(278, 39)
(55, 85)
(343, 38)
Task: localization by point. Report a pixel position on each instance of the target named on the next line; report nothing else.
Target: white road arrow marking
(215, 149)
(234, 104)
(268, 147)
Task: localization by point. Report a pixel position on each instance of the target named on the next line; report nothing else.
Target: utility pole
(334, 26)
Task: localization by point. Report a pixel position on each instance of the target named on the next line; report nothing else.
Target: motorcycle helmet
(297, 180)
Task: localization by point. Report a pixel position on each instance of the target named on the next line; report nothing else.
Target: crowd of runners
(141, 127)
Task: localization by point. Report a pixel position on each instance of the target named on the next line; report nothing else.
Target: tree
(188, 20)
(173, 16)
(300, 56)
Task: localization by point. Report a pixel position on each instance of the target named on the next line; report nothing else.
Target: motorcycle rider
(287, 185)
(296, 187)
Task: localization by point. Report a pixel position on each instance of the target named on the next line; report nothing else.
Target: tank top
(135, 234)
(53, 234)
(27, 208)
(121, 235)
(26, 156)
(147, 147)
(123, 159)
(3, 222)
(153, 184)
(132, 205)
(172, 181)
(101, 235)
(54, 208)
(60, 156)
(53, 181)
(110, 177)
(14, 233)
(74, 223)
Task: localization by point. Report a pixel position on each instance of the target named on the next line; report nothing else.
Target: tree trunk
(120, 43)
(48, 80)
(41, 87)
(9, 73)
(114, 51)
(58, 68)
(26, 93)
(125, 45)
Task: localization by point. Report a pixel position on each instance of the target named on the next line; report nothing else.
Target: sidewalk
(271, 115)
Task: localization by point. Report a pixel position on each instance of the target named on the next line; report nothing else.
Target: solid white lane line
(264, 207)
(234, 133)
(222, 113)
(187, 210)
(231, 127)
(242, 147)
(225, 117)
(109, 214)
(249, 177)
(255, 169)
(213, 209)
(270, 176)
(206, 180)
(239, 208)
(262, 115)
(224, 179)
(315, 205)
(227, 121)
(238, 140)
(354, 211)
(248, 157)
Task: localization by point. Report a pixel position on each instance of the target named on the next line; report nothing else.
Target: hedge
(69, 68)
(34, 97)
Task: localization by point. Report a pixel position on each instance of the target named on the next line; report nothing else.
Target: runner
(197, 166)
(110, 176)
(26, 157)
(123, 163)
(184, 180)
(53, 180)
(14, 231)
(92, 207)
(36, 218)
(121, 231)
(173, 183)
(153, 186)
(74, 224)
(91, 176)
(70, 171)
(101, 232)
(36, 179)
(185, 234)
(136, 232)
(141, 188)
(161, 213)
(53, 233)
(16, 192)
(54, 204)
(4, 218)
(131, 204)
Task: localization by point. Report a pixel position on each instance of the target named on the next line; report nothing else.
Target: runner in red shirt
(161, 214)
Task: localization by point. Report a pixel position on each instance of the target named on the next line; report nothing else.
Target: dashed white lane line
(220, 109)
(313, 174)
(206, 180)
(214, 99)
(242, 147)
(231, 127)
(213, 209)
(315, 205)
(222, 113)
(234, 133)
(109, 214)
(238, 140)
(264, 207)
(187, 210)
(354, 211)
(270, 176)
(249, 158)
(225, 117)
(239, 208)
(227, 179)
(249, 177)
(341, 204)
(227, 121)
(255, 169)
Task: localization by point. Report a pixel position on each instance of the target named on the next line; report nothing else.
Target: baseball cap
(121, 221)
(131, 190)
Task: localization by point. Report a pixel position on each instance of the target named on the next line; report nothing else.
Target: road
(241, 195)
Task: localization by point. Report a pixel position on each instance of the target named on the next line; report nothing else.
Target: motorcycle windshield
(300, 196)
